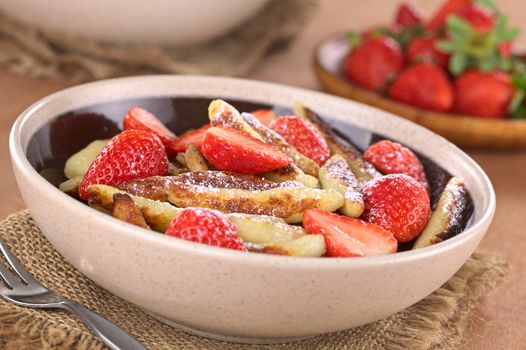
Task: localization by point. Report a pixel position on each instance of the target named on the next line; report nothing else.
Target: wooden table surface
(500, 321)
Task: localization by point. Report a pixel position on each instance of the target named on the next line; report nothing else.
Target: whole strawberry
(481, 18)
(132, 154)
(302, 135)
(449, 7)
(424, 85)
(483, 94)
(234, 150)
(372, 64)
(392, 158)
(398, 203)
(425, 50)
(205, 226)
(408, 15)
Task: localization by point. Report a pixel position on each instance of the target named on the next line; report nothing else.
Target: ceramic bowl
(218, 292)
(172, 23)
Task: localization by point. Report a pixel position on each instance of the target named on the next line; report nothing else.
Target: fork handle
(112, 335)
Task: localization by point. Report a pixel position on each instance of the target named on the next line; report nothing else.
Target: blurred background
(336, 15)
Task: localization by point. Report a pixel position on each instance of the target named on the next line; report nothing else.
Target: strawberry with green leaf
(477, 41)
(459, 61)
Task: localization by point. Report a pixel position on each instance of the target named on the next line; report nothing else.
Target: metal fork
(24, 290)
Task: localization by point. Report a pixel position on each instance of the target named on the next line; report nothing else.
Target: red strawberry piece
(483, 94)
(141, 119)
(347, 237)
(398, 203)
(205, 226)
(408, 15)
(373, 63)
(481, 18)
(303, 136)
(505, 49)
(424, 85)
(449, 7)
(265, 116)
(424, 50)
(392, 158)
(234, 150)
(132, 154)
(194, 137)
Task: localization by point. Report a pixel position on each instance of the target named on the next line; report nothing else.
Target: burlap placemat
(437, 322)
(38, 53)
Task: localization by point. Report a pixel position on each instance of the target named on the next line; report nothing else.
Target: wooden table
(500, 321)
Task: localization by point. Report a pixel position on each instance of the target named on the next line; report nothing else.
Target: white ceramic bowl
(235, 295)
(169, 22)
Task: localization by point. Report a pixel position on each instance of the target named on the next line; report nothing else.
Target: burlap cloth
(437, 322)
(27, 50)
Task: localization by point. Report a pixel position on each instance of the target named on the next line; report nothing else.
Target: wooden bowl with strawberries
(454, 73)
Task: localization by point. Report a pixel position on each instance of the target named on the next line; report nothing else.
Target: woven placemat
(39, 53)
(437, 322)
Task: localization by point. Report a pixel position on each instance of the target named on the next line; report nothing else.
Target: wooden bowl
(465, 131)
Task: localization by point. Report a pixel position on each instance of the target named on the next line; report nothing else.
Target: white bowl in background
(170, 22)
(236, 295)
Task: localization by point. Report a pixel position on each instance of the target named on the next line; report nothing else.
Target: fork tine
(9, 279)
(16, 265)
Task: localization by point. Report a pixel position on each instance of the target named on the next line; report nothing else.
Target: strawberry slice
(265, 116)
(393, 158)
(408, 15)
(191, 138)
(397, 203)
(234, 150)
(449, 7)
(205, 226)
(141, 119)
(303, 136)
(347, 237)
(132, 154)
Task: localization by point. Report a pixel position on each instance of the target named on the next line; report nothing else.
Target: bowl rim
(20, 161)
